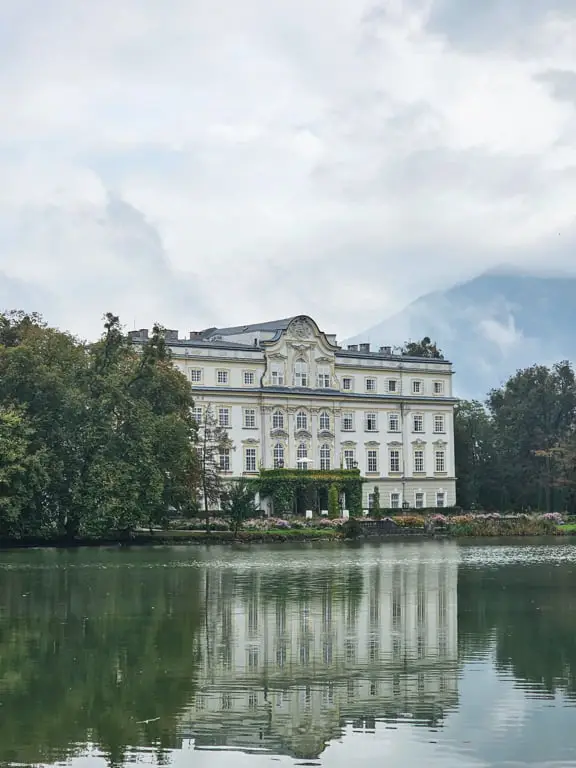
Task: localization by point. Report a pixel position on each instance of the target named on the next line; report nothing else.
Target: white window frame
(442, 421)
(395, 500)
(419, 461)
(278, 456)
(224, 423)
(325, 457)
(224, 459)
(302, 420)
(223, 377)
(440, 461)
(302, 453)
(249, 374)
(441, 495)
(349, 456)
(372, 461)
(249, 418)
(417, 386)
(419, 496)
(418, 418)
(198, 414)
(323, 377)
(277, 419)
(350, 380)
(252, 453)
(196, 379)
(394, 461)
(392, 386)
(324, 421)
(277, 375)
(301, 373)
(394, 417)
(348, 416)
(438, 388)
(371, 384)
(371, 417)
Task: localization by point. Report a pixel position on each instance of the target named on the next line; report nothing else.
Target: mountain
(489, 326)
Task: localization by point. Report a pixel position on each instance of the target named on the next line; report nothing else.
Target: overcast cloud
(205, 162)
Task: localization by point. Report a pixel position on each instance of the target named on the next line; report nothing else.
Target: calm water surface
(396, 654)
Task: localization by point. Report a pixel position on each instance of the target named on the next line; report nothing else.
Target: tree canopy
(95, 439)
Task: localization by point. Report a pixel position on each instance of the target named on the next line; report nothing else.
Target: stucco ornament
(301, 329)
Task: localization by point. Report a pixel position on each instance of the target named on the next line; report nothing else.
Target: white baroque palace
(290, 396)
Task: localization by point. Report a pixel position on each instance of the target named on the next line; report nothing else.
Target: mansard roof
(271, 325)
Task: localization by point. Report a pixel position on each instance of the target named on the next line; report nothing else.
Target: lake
(432, 653)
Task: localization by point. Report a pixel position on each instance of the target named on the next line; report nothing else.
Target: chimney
(364, 347)
(140, 335)
(385, 350)
(195, 335)
(171, 335)
(353, 347)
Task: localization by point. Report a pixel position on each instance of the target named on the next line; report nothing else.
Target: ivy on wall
(284, 486)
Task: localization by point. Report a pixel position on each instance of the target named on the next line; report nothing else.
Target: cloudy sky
(205, 162)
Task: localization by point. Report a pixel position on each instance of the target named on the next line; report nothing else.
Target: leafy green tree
(532, 414)
(333, 502)
(211, 444)
(423, 348)
(477, 467)
(375, 510)
(238, 503)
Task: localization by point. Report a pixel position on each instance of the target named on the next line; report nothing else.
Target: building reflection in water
(288, 659)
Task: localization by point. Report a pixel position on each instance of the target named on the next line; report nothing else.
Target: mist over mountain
(490, 326)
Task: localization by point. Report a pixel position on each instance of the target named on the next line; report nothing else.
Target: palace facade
(290, 396)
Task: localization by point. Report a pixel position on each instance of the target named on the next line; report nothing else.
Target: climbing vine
(285, 486)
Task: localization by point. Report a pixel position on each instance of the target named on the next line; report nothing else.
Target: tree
(375, 510)
(423, 348)
(477, 468)
(333, 502)
(532, 415)
(238, 503)
(212, 442)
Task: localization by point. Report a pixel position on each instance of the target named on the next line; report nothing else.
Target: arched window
(277, 420)
(300, 373)
(278, 456)
(301, 420)
(325, 457)
(302, 456)
(325, 420)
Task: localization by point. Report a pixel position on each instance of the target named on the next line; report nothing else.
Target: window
(300, 373)
(277, 375)
(224, 417)
(278, 456)
(302, 456)
(349, 458)
(440, 461)
(440, 499)
(222, 377)
(249, 378)
(419, 460)
(371, 422)
(347, 383)
(393, 422)
(325, 457)
(301, 420)
(417, 387)
(325, 420)
(438, 387)
(323, 377)
(418, 422)
(392, 385)
(394, 500)
(394, 460)
(347, 422)
(196, 375)
(439, 423)
(197, 414)
(419, 500)
(224, 459)
(371, 385)
(250, 459)
(371, 500)
(372, 460)
(249, 418)
(277, 420)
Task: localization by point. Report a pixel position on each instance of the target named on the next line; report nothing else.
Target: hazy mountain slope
(490, 326)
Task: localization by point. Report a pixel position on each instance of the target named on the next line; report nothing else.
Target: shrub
(409, 521)
(333, 502)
